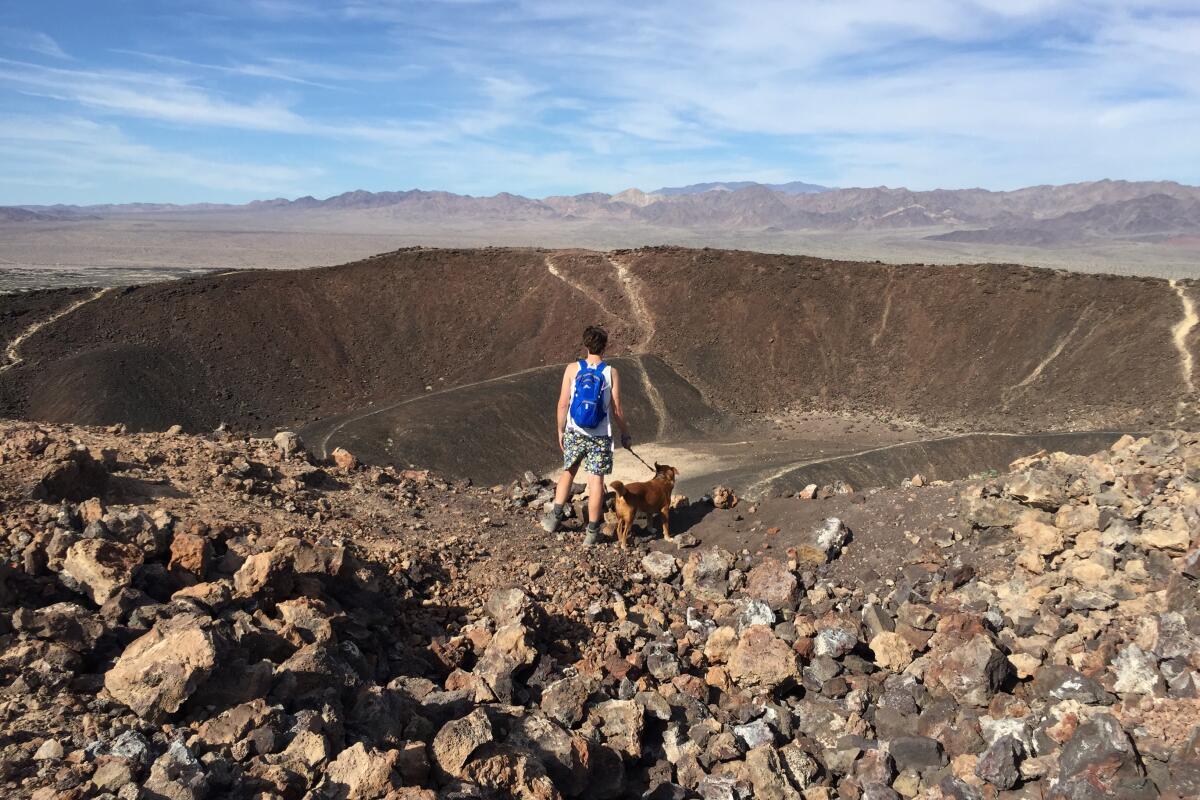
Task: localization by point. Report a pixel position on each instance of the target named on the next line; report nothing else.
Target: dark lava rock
(998, 764)
(917, 753)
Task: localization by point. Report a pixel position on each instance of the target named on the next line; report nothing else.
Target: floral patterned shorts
(596, 452)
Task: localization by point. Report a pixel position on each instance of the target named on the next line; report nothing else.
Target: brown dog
(651, 497)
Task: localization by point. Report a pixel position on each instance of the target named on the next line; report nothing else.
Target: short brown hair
(595, 339)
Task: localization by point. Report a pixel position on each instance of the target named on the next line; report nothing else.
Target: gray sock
(557, 510)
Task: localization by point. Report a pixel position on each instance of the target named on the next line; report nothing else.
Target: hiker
(588, 404)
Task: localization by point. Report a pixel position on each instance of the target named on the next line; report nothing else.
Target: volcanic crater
(761, 369)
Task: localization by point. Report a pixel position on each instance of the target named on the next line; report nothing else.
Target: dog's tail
(617, 488)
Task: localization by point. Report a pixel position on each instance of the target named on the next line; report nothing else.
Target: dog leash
(639, 458)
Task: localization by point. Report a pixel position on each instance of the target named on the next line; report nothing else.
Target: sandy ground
(163, 242)
(754, 450)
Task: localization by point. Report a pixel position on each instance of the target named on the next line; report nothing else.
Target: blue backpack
(587, 405)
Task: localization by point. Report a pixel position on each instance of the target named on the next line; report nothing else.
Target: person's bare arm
(617, 412)
(564, 403)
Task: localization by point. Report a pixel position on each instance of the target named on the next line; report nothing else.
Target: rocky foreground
(190, 617)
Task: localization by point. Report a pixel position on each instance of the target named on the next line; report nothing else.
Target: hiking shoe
(590, 538)
(550, 522)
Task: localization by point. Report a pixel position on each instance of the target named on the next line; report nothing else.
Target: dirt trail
(887, 309)
(643, 323)
(1054, 353)
(1179, 335)
(554, 270)
(645, 320)
(324, 443)
(12, 356)
(656, 400)
(756, 489)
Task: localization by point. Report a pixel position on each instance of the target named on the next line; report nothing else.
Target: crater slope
(496, 428)
(453, 355)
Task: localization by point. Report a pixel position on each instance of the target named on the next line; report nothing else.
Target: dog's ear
(657, 467)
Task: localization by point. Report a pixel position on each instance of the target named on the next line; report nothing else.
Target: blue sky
(232, 100)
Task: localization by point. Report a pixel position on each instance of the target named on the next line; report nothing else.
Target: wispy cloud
(49, 148)
(167, 97)
(555, 96)
(251, 70)
(32, 41)
(153, 96)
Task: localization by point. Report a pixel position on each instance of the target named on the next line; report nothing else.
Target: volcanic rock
(112, 774)
(620, 723)
(773, 583)
(825, 543)
(458, 739)
(917, 752)
(234, 723)
(361, 773)
(190, 557)
(892, 651)
(1098, 761)
(101, 567)
(765, 772)
(761, 660)
(705, 573)
(50, 750)
(660, 566)
(338, 637)
(564, 699)
(344, 459)
(1064, 683)
(970, 670)
(289, 444)
(988, 511)
(723, 497)
(510, 772)
(508, 651)
(159, 671)
(178, 775)
(999, 763)
(508, 606)
(77, 476)
(563, 754)
(1136, 670)
(66, 623)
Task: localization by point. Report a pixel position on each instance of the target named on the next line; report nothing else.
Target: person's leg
(595, 490)
(551, 519)
(562, 492)
(595, 487)
(599, 462)
(573, 456)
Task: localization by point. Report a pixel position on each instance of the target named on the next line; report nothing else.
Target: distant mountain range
(795, 187)
(1040, 216)
(23, 214)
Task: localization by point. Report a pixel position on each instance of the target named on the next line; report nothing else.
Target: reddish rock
(723, 497)
(344, 458)
(190, 556)
(458, 739)
(101, 567)
(762, 660)
(773, 583)
(362, 773)
(970, 669)
(159, 671)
